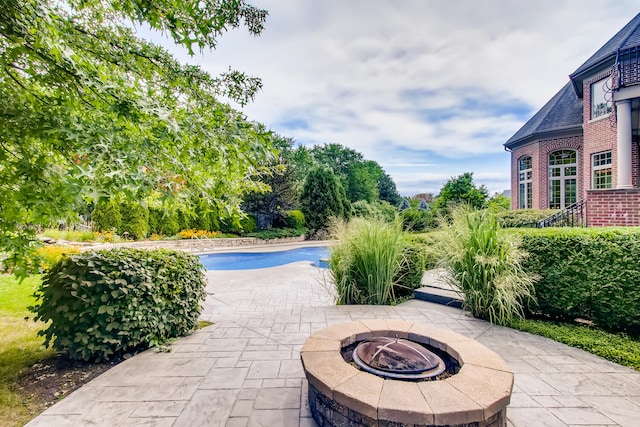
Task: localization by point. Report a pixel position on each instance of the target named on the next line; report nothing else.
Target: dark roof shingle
(628, 36)
(562, 113)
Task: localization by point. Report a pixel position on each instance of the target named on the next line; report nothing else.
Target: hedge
(522, 217)
(103, 303)
(593, 274)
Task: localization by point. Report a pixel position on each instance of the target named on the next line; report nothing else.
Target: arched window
(563, 178)
(525, 193)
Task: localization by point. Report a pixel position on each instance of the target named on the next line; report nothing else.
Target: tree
(90, 110)
(322, 198)
(362, 181)
(387, 190)
(272, 205)
(461, 189)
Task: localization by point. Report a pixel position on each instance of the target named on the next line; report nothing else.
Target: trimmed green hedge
(592, 274)
(105, 302)
(523, 218)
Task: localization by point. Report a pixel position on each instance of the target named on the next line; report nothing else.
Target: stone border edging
(478, 393)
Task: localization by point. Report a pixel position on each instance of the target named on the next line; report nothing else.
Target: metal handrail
(572, 216)
(202, 241)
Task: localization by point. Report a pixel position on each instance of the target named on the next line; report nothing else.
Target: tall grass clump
(485, 264)
(366, 261)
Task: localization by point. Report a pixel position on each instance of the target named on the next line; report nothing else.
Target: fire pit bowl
(342, 394)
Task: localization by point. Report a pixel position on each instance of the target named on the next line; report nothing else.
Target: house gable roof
(605, 57)
(562, 114)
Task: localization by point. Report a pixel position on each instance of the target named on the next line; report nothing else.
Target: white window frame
(603, 164)
(601, 87)
(525, 180)
(563, 178)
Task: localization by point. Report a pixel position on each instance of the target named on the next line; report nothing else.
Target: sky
(428, 89)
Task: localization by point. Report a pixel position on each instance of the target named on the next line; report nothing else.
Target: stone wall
(195, 245)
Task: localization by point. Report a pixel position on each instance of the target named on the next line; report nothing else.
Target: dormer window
(601, 98)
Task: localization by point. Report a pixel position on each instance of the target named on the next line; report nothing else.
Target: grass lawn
(618, 348)
(20, 347)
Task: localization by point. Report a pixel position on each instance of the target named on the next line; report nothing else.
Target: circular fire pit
(342, 394)
(397, 358)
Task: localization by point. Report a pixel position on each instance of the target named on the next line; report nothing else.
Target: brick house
(581, 148)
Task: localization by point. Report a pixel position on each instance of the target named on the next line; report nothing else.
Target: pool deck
(245, 370)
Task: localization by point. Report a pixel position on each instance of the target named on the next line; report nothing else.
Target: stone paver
(245, 369)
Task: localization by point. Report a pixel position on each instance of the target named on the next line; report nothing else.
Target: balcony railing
(573, 216)
(628, 62)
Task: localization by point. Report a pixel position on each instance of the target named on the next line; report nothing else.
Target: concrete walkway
(245, 370)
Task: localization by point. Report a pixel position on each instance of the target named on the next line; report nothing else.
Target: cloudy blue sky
(428, 89)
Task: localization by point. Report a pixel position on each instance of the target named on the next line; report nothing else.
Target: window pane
(570, 192)
(521, 197)
(554, 194)
(524, 163)
(602, 178)
(600, 98)
(570, 171)
(602, 159)
(562, 157)
(529, 196)
(554, 172)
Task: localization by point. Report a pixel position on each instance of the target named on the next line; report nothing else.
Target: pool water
(252, 260)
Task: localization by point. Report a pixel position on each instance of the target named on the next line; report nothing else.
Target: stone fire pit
(341, 394)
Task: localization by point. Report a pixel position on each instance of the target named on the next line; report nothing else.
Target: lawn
(20, 347)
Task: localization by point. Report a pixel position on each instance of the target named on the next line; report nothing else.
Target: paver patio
(245, 370)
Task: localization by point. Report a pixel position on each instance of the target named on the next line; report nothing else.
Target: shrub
(106, 216)
(294, 219)
(249, 224)
(587, 273)
(188, 234)
(412, 267)
(366, 261)
(323, 198)
(485, 264)
(163, 222)
(135, 221)
(522, 217)
(106, 302)
(51, 255)
(414, 219)
(379, 210)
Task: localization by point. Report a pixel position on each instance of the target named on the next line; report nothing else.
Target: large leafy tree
(461, 190)
(89, 109)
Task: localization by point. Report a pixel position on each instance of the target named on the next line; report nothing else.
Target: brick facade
(539, 151)
(613, 207)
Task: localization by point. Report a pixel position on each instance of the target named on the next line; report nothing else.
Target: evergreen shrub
(135, 220)
(163, 222)
(588, 273)
(106, 216)
(102, 303)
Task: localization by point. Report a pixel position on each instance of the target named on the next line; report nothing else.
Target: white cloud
(395, 79)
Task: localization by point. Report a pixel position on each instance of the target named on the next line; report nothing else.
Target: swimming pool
(253, 260)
